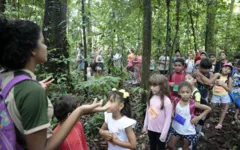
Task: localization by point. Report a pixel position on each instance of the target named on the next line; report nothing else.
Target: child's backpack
(202, 101)
(7, 128)
(235, 94)
(191, 106)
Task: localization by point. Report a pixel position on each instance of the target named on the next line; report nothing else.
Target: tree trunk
(89, 27)
(168, 51)
(228, 26)
(210, 29)
(192, 26)
(176, 41)
(84, 37)
(54, 30)
(2, 6)
(147, 39)
(176, 37)
(159, 41)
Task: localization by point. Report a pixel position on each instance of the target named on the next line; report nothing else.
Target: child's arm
(145, 126)
(168, 111)
(227, 87)
(131, 144)
(104, 133)
(208, 81)
(206, 109)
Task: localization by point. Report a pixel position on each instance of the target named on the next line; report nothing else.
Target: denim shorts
(216, 99)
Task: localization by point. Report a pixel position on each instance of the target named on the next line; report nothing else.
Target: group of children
(177, 108)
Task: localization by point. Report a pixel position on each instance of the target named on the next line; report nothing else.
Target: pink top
(161, 123)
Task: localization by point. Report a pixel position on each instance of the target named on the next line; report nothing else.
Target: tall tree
(192, 25)
(168, 51)
(54, 30)
(147, 39)
(210, 26)
(2, 6)
(228, 25)
(84, 36)
(176, 41)
(89, 26)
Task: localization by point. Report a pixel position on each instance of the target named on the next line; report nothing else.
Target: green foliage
(93, 125)
(54, 123)
(99, 86)
(140, 108)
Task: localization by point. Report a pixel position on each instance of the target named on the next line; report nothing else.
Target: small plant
(93, 125)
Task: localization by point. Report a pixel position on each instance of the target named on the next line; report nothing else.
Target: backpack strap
(192, 107)
(175, 102)
(194, 93)
(13, 82)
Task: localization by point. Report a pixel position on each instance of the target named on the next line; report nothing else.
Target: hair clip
(125, 94)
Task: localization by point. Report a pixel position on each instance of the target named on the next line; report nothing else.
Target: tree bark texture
(89, 27)
(168, 51)
(228, 26)
(176, 41)
(192, 26)
(210, 26)
(54, 31)
(84, 36)
(147, 39)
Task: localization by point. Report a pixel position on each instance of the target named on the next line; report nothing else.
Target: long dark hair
(162, 82)
(118, 96)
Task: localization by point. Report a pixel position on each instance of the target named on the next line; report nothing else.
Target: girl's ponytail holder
(114, 89)
(125, 94)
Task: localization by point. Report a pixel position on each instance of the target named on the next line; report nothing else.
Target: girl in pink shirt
(158, 113)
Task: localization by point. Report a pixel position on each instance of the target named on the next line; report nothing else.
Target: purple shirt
(161, 123)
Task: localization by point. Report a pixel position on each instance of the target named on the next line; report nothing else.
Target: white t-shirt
(190, 65)
(162, 59)
(118, 128)
(188, 128)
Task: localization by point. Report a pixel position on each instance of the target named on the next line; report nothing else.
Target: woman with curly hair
(21, 49)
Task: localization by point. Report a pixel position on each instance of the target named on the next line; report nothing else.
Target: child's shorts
(220, 99)
(191, 138)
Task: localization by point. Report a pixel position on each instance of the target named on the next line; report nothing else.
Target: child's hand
(220, 82)
(171, 84)
(195, 120)
(217, 74)
(145, 131)
(114, 139)
(88, 108)
(102, 108)
(107, 135)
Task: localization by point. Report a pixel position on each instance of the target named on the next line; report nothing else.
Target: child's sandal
(219, 126)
